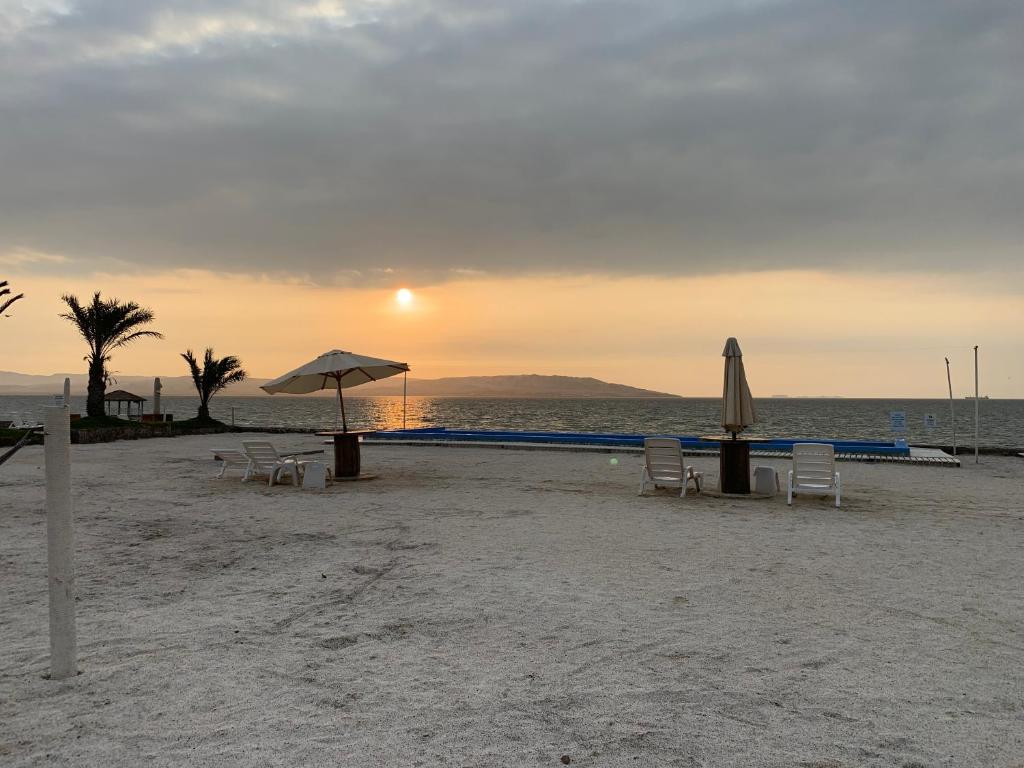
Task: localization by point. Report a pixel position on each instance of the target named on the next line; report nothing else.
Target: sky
(605, 188)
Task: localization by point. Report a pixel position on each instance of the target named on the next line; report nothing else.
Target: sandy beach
(474, 607)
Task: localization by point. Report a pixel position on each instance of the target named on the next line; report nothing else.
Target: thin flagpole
(977, 395)
(952, 413)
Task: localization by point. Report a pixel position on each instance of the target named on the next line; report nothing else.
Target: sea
(928, 422)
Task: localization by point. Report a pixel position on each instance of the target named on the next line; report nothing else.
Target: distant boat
(972, 397)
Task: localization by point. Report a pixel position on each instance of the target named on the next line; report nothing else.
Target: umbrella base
(734, 466)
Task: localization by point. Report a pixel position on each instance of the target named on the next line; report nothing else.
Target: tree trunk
(96, 391)
(204, 411)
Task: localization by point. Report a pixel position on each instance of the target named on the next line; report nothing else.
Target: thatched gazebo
(120, 396)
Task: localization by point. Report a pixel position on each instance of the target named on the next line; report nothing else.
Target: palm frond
(5, 304)
(108, 324)
(134, 336)
(214, 374)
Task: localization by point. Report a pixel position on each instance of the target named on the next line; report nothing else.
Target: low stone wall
(110, 434)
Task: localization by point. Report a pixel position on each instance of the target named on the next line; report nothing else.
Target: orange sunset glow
(803, 333)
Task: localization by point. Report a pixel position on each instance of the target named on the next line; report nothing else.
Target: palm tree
(212, 377)
(105, 326)
(5, 304)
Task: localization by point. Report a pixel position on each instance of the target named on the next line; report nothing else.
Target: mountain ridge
(529, 385)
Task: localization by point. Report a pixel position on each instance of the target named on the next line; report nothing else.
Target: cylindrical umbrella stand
(734, 466)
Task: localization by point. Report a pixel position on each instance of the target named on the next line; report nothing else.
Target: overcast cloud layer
(345, 139)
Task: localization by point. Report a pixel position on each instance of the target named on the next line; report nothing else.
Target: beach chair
(664, 467)
(230, 457)
(265, 461)
(814, 471)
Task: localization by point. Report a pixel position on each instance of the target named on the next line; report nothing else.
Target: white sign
(930, 422)
(898, 421)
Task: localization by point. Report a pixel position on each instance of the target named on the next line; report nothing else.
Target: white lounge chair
(814, 471)
(230, 457)
(664, 467)
(264, 460)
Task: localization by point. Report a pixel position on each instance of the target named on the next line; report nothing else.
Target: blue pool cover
(622, 440)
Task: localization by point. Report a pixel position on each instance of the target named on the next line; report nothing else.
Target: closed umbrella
(737, 404)
(335, 370)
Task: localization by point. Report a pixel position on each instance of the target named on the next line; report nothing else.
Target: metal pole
(60, 543)
(952, 413)
(232, 415)
(405, 389)
(341, 402)
(977, 395)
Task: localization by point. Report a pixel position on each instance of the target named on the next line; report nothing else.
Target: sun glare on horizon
(403, 297)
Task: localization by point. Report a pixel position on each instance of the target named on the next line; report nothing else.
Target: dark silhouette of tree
(5, 304)
(105, 326)
(212, 377)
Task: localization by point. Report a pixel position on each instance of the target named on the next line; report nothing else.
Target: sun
(404, 297)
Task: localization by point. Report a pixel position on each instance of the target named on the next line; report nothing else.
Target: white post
(157, 386)
(67, 392)
(977, 395)
(60, 544)
(952, 413)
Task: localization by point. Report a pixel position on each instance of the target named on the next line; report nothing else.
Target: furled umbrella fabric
(737, 404)
(335, 370)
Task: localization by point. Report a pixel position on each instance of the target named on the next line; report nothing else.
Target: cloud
(21, 257)
(373, 141)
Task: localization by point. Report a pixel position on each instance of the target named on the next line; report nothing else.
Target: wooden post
(60, 543)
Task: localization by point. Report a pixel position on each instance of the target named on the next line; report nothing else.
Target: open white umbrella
(737, 404)
(335, 369)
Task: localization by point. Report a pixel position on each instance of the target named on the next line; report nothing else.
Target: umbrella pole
(405, 388)
(341, 402)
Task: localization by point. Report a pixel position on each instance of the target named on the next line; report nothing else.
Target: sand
(479, 607)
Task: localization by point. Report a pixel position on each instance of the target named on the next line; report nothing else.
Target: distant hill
(528, 385)
(523, 385)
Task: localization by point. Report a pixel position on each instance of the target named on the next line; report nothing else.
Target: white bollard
(60, 544)
(67, 392)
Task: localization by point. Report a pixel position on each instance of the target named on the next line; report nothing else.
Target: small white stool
(314, 476)
(766, 481)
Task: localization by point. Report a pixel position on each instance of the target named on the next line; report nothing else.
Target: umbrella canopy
(334, 370)
(737, 404)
